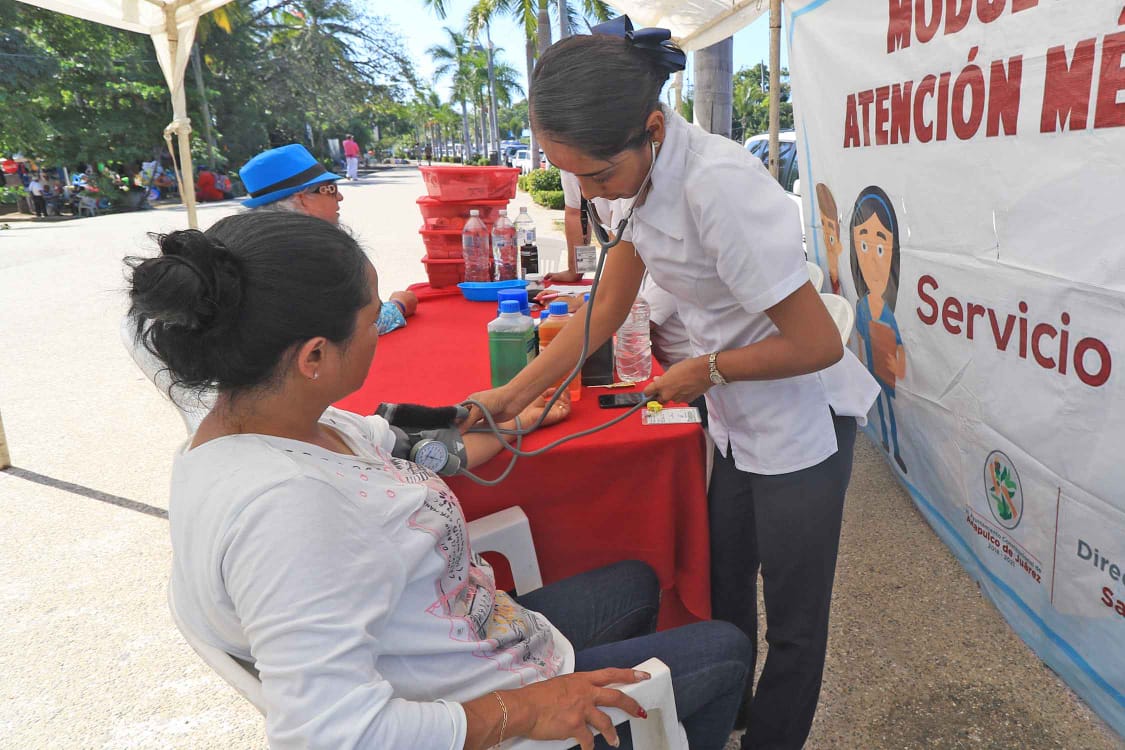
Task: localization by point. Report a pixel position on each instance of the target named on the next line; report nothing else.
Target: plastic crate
(444, 272)
(439, 214)
(442, 244)
(450, 183)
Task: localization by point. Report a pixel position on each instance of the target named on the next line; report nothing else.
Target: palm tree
(453, 61)
(534, 16)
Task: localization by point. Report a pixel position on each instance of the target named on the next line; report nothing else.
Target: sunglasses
(326, 189)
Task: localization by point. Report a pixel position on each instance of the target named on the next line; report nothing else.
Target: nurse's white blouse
(719, 234)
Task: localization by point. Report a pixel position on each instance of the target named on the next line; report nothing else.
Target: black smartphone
(620, 400)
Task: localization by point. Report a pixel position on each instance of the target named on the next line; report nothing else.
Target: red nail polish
(642, 713)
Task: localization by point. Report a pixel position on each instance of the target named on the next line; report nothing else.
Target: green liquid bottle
(511, 343)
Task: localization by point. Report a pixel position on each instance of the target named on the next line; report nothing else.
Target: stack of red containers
(453, 191)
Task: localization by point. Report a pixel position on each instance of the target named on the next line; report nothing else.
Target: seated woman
(206, 188)
(345, 574)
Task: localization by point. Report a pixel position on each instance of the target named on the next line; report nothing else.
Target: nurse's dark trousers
(788, 526)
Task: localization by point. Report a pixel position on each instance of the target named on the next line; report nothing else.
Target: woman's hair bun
(195, 283)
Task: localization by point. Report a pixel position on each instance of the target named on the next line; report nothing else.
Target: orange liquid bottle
(548, 329)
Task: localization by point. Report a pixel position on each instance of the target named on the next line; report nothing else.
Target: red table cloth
(628, 492)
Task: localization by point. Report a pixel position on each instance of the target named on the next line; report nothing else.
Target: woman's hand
(560, 410)
(684, 381)
(566, 707)
(500, 402)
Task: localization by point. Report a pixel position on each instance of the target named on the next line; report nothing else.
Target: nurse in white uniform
(717, 232)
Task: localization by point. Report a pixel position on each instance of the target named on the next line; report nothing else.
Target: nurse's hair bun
(666, 55)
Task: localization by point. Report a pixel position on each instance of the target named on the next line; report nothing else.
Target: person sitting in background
(289, 178)
(206, 188)
(345, 575)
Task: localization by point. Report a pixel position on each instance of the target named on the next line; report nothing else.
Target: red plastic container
(442, 244)
(439, 214)
(444, 272)
(452, 183)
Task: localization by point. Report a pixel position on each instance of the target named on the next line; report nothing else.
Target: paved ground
(90, 658)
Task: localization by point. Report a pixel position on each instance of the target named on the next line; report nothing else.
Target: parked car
(788, 173)
(509, 151)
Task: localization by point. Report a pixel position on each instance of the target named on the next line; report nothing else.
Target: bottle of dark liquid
(529, 259)
(525, 239)
(598, 368)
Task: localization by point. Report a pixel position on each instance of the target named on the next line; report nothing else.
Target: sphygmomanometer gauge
(431, 454)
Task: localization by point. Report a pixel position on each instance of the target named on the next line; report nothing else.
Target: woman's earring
(316, 375)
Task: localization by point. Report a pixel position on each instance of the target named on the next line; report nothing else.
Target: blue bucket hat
(281, 172)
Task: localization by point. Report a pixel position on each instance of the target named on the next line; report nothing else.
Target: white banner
(963, 173)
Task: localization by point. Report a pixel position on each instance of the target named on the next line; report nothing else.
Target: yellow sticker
(654, 406)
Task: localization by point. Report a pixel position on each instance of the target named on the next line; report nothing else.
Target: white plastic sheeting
(694, 24)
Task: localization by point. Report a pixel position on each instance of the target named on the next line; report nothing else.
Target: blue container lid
(545, 314)
(559, 308)
(509, 306)
(518, 295)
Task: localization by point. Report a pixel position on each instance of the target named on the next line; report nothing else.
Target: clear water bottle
(504, 250)
(475, 249)
(525, 228)
(633, 347)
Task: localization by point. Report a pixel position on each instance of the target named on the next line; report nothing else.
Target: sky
(420, 29)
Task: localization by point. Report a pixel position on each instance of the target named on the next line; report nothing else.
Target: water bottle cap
(545, 314)
(509, 306)
(523, 209)
(559, 308)
(586, 297)
(503, 212)
(474, 212)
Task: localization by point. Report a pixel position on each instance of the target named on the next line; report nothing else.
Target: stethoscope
(607, 243)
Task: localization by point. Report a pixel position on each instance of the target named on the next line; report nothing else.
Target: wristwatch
(713, 370)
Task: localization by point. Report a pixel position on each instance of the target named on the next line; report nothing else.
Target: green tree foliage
(751, 102)
(275, 72)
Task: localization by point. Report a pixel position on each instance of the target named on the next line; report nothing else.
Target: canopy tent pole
(181, 123)
(5, 457)
(775, 84)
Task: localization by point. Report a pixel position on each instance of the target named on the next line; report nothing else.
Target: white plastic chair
(552, 256)
(842, 312)
(87, 205)
(816, 275)
(508, 533)
(194, 408)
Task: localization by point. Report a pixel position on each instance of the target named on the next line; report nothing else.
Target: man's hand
(563, 277)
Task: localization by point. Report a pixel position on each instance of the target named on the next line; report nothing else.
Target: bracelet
(503, 718)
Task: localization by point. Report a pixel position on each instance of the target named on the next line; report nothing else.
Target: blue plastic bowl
(486, 291)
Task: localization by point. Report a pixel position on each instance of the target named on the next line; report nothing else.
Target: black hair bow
(657, 42)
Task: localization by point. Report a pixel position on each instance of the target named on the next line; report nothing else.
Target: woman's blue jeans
(609, 616)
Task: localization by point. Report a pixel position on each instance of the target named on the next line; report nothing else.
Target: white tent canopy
(171, 24)
(694, 24)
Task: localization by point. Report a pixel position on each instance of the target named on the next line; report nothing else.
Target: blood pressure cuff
(411, 424)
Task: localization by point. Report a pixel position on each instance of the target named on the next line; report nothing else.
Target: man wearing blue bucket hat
(291, 178)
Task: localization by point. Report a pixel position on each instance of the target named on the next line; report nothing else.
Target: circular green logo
(1003, 490)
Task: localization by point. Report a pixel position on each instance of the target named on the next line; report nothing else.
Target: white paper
(676, 415)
